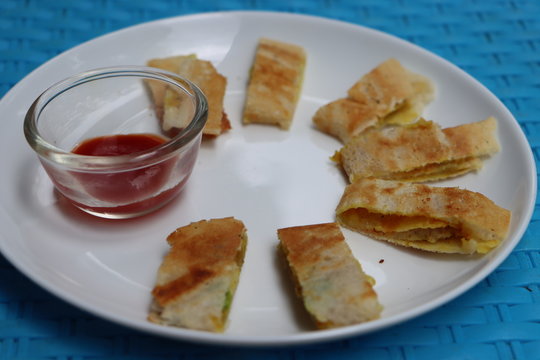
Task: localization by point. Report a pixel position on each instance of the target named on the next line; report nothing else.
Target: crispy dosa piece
(388, 94)
(437, 219)
(333, 287)
(275, 83)
(345, 118)
(203, 74)
(197, 279)
(419, 152)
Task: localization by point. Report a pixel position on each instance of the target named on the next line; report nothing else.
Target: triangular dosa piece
(388, 94)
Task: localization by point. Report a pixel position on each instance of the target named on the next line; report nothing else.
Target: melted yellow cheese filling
(369, 221)
(437, 171)
(407, 113)
(418, 232)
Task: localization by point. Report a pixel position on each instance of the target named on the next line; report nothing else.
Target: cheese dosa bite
(437, 219)
(275, 83)
(419, 152)
(388, 94)
(197, 279)
(330, 281)
(203, 74)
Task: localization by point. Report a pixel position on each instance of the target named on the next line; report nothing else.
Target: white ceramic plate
(266, 177)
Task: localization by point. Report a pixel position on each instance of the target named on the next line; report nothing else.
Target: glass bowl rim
(58, 156)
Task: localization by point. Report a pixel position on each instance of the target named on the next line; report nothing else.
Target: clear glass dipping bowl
(117, 101)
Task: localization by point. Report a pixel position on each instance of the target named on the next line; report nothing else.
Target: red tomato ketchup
(129, 189)
(114, 145)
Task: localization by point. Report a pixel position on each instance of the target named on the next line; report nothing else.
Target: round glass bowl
(99, 135)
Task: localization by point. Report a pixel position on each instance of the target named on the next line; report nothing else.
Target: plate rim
(302, 338)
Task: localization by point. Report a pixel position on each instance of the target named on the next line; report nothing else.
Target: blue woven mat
(498, 42)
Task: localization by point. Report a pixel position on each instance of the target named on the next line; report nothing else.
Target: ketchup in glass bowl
(98, 135)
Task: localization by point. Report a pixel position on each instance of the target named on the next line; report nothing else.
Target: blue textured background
(498, 42)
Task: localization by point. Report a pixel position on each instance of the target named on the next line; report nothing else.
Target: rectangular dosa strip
(197, 279)
(330, 281)
(388, 94)
(203, 74)
(275, 83)
(437, 219)
(419, 152)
